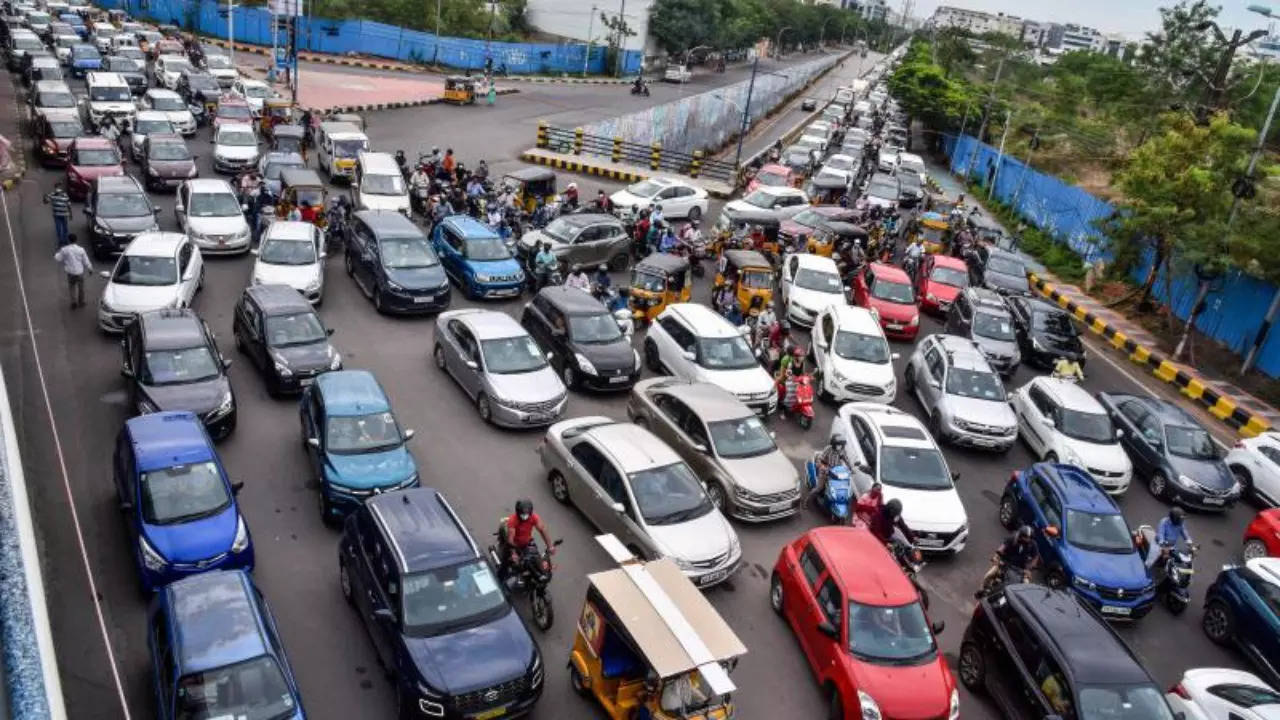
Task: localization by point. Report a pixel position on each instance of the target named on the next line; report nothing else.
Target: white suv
(853, 357)
(809, 284)
(1255, 462)
(763, 203)
(1061, 422)
(109, 95)
(693, 343)
(962, 395)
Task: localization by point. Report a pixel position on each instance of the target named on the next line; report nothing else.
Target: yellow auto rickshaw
(529, 185)
(827, 237)
(460, 90)
(827, 188)
(657, 281)
(648, 640)
(303, 189)
(275, 111)
(934, 229)
(750, 276)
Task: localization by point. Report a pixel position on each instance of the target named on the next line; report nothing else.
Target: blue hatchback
(76, 22)
(356, 447)
(181, 508)
(1090, 548)
(84, 58)
(477, 258)
(216, 653)
(1242, 608)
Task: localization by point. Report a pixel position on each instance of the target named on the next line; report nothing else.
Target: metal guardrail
(575, 141)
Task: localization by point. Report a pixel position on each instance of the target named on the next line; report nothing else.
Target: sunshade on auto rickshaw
(657, 281)
(826, 189)
(649, 644)
(288, 138)
(760, 234)
(460, 90)
(750, 275)
(301, 188)
(829, 235)
(275, 111)
(934, 229)
(530, 185)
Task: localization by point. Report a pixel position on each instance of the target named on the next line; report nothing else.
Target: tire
(972, 667)
(326, 510)
(1253, 548)
(344, 582)
(437, 354)
(651, 359)
(620, 262)
(484, 409)
(835, 706)
(1175, 604)
(543, 614)
(1008, 512)
(1158, 485)
(1218, 623)
(908, 380)
(1245, 478)
(717, 495)
(1051, 457)
(377, 299)
(775, 593)
(350, 266)
(695, 213)
(569, 377)
(577, 682)
(1056, 578)
(559, 487)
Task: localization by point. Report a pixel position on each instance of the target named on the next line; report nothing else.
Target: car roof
(152, 115)
(951, 262)
(468, 227)
(633, 447)
(52, 86)
(962, 353)
(210, 185)
(165, 439)
(703, 320)
(1078, 490)
(817, 262)
(383, 222)
(162, 92)
(488, 324)
(585, 219)
(856, 319)
(291, 230)
(118, 184)
(215, 621)
(1069, 394)
(893, 426)
(889, 272)
(422, 528)
(572, 300)
(278, 299)
(172, 329)
(997, 252)
(93, 142)
(710, 402)
(1093, 657)
(351, 392)
(860, 563)
(983, 298)
(155, 243)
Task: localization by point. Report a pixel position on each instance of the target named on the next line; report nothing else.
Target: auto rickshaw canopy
(743, 259)
(663, 264)
(827, 188)
(288, 138)
(305, 184)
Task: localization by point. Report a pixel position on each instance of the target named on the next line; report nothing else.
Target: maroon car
(166, 162)
(90, 158)
(804, 222)
(54, 130)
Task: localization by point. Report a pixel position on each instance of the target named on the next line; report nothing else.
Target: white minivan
(378, 183)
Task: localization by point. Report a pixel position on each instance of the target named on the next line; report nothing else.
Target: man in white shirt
(75, 262)
(578, 279)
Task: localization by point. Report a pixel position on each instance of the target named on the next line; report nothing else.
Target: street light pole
(435, 57)
(231, 31)
(746, 110)
(590, 27)
(777, 45)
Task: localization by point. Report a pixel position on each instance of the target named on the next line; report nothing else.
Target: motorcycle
(531, 572)
(1175, 571)
(543, 277)
(802, 407)
(837, 497)
(1008, 575)
(640, 88)
(911, 562)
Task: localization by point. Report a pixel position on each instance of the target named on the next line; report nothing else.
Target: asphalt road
(67, 448)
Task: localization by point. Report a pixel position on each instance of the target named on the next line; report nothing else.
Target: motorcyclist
(1170, 534)
(1066, 368)
(790, 386)
(571, 195)
(481, 171)
(831, 455)
(518, 533)
(795, 357)
(869, 505)
(544, 263)
(420, 179)
(602, 201)
(1018, 551)
(884, 523)
(912, 255)
(578, 279)
(602, 279)
(667, 241)
(618, 300)
(655, 217)
(639, 84)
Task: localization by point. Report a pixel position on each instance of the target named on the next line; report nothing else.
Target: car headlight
(954, 712)
(314, 285)
(1083, 583)
(483, 277)
(535, 671)
(225, 405)
(584, 365)
(335, 360)
(1035, 345)
(636, 353)
(151, 559)
(242, 537)
(837, 378)
(395, 286)
(243, 234)
(870, 710)
(430, 703)
(282, 369)
(915, 320)
(1070, 457)
(682, 563)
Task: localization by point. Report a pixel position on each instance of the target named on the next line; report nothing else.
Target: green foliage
(458, 18)
(923, 89)
(680, 25)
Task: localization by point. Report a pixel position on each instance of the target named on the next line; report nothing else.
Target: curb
(396, 105)
(1220, 406)
(587, 168)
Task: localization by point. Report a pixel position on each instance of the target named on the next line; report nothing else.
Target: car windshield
(234, 111)
(949, 276)
(760, 199)
(798, 156)
(182, 493)
(818, 281)
(176, 67)
(1122, 702)
(669, 494)
(445, 599)
(109, 93)
(741, 437)
(56, 99)
(217, 62)
(861, 347)
(167, 104)
(891, 635)
(1005, 266)
(124, 64)
(256, 91)
(204, 84)
(118, 205)
(302, 328)
(883, 189)
(892, 291)
(975, 384)
(347, 148)
(1248, 696)
(1101, 532)
(145, 270)
(594, 329)
(97, 157)
(354, 434)
(274, 168)
(82, 52)
(910, 467)
(771, 179)
(1190, 442)
(838, 162)
(382, 185)
(808, 218)
(250, 690)
(512, 355)
(403, 253)
(1053, 322)
(560, 229)
(170, 151)
(487, 249)
(213, 204)
(281, 251)
(909, 180)
(153, 127)
(725, 353)
(236, 138)
(175, 367)
(66, 128)
(645, 189)
(1086, 426)
(992, 326)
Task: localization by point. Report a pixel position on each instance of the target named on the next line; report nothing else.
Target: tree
(1179, 60)
(678, 25)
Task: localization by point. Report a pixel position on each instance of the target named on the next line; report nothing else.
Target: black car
(393, 263)
(910, 191)
(436, 611)
(586, 344)
(131, 70)
(118, 209)
(982, 316)
(1002, 271)
(280, 332)
(173, 363)
(1041, 653)
(1045, 332)
(199, 89)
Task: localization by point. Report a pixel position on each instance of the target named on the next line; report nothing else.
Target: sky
(1132, 18)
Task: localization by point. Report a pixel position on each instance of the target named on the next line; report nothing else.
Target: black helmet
(1025, 532)
(1177, 515)
(837, 441)
(893, 508)
(524, 507)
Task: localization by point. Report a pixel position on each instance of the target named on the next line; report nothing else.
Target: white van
(123, 40)
(378, 183)
(109, 94)
(338, 148)
(844, 96)
(102, 34)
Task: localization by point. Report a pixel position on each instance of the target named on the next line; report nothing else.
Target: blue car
(216, 653)
(356, 447)
(84, 59)
(1083, 539)
(181, 508)
(1241, 608)
(476, 258)
(77, 23)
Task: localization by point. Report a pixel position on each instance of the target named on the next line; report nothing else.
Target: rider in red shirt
(519, 527)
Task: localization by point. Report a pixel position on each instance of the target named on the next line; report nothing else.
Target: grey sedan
(586, 239)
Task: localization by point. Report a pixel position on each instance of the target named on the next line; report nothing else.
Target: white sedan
(156, 270)
(291, 253)
(845, 166)
(254, 92)
(809, 284)
(1061, 422)
(1255, 462)
(678, 199)
(852, 356)
(211, 215)
(1223, 694)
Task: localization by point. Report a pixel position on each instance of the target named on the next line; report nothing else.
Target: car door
(1266, 476)
(449, 247)
(960, 316)
(381, 591)
(932, 379)
(788, 277)
(673, 343)
(1035, 410)
(668, 420)
(455, 341)
(188, 271)
(584, 248)
(587, 463)
(313, 426)
(1149, 442)
(826, 650)
(823, 331)
(165, 675)
(1262, 630)
(1015, 689)
(800, 601)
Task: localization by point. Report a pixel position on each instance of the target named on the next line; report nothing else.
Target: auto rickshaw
(275, 111)
(657, 281)
(829, 235)
(761, 234)
(987, 231)
(826, 188)
(288, 138)
(353, 118)
(934, 229)
(751, 276)
(460, 90)
(649, 644)
(302, 188)
(529, 185)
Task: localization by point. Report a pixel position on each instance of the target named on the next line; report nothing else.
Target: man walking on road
(60, 203)
(75, 262)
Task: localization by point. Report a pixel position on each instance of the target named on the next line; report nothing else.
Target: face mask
(523, 517)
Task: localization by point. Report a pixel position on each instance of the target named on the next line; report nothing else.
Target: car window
(862, 434)
(678, 333)
(1133, 411)
(1038, 490)
(1267, 592)
(1053, 685)
(811, 565)
(1052, 509)
(1270, 453)
(611, 481)
(1150, 428)
(1041, 401)
(933, 359)
(675, 410)
(591, 459)
(831, 602)
(1246, 696)
(1025, 645)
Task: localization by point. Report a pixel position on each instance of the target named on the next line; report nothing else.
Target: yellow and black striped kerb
(542, 134)
(655, 156)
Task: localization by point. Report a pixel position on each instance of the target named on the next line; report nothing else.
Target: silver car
(962, 395)
(629, 483)
(724, 441)
(586, 239)
(500, 367)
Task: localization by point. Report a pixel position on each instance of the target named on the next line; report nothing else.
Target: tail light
(1180, 691)
(50, 146)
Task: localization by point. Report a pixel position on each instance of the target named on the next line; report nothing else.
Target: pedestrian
(75, 262)
(60, 203)
(493, 92)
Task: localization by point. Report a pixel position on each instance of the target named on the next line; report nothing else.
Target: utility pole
(231, 31)
(622, 37)
(1272, 309)
(986, 112)
(591, 19)
(435, 56)
(746, 112)
(991, 189)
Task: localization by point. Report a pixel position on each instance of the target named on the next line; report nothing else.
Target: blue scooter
(837, 498)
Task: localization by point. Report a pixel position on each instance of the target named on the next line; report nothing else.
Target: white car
(254, 92)
(1061, 422)
(220, 67)
(1223, 694)
(887, 161)
(156, 270)
(147, 122)
(1255, 462)
(692, 342)
(235, 147)
(915, 163)
(677, 73)
(291, 253)
(172, 105)
(211, 215)
(809, 284)
(820, 128)
(844, 166)
(678, 199)
(818, 143)
(853, 359)
(167, 69)
(766, 202)
(62, 47)
(886, 445)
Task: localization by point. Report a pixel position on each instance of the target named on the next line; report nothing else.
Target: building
(1079, 37)
(1117, 46)
(1036, 34)
(976, 21)
(579, 20)
(869, 9)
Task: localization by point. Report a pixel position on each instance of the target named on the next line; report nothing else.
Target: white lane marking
(62, 464)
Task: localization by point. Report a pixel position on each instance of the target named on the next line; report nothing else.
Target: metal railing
(576, 141)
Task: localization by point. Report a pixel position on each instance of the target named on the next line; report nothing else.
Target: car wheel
(695, 213)
(344, 581)
(935, 427)
(651, 359)
(1253, 548)
(239, 342)
(351, 267)
(973, 668)
(1008, 512)
(908, 380)
(1056, 578)
(835, 706)
(1218, 622)
(1051, 457)
(1245, 478)
(326, 510)
(775, 593)
(823, 395)
(438, 354)
(620, 262)
(578, 682)
(569, 376)
(559, 487)
(1159, 485)
(377, 298)
(484, 408)
(716, 493)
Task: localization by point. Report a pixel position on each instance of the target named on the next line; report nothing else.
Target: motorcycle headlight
(584, 365)
(151, 559)
(954, 712)
(242, 537)
(870, 710)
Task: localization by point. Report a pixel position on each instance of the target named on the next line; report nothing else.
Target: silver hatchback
(500, 367)
(962, 395)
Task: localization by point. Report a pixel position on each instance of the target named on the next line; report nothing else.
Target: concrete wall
(573, 18)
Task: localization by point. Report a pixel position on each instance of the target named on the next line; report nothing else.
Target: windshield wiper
(192, 516)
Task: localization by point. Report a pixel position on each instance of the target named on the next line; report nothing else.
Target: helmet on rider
(577, 269)
(837, 441)
(1024, 533)
(893, 508)
(524, 508)
(571, 186)
(602, 268)
(1177, 515)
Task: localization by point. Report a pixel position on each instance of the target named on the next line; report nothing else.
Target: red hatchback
(1262, 537)
(887, 290)
(772, 175)
(861, 625)
(88, 159)
(941, 278)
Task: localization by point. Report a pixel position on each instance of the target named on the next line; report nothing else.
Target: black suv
(173, 363)
(118, 210)
(1045, 332)
(982, 316)
(280, 332)
(435, 610)
(131, 70)
(1002, 271)
(586, 343)
(1041, 653)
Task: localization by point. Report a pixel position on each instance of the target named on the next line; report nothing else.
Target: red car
(232, 109)
(1262, 537)
(886, 290)
(88, 159)
(773, 176)
(805, 221)
(862, 627)
(941, 278)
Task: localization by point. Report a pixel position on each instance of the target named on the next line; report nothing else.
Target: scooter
(837, 497)
(802, 408)
(1175, 571)
(531, 573)
(640, 88)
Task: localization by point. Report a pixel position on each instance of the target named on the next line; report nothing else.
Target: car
(910, 189)
(692, 342)
(1262, 536)
(914, 163)
(630, 484)
(131, 53)
(272, 164)
(809, 103)
(852, 358)
(982, 316)
(586, 239)
(168, 102)
(772, 175)
(54, 131)
(476, 258)
(862, 627)
(221, 68)
(1223, 694)
(102, 32)
(50, 95)
(842, 166)
(679, 199)
(1172, 451)
(809, 283)
(583, 338)
(147, 122)
(21, 43)
(939, 281)
(133, 71)
(354, 444)
(235, 147)
(961, 394)
(156, 270)
(198, 88)
(820, 129)
(887, 161)
(812, 219)
(166, 162)
(500, 367)
(211, 215)
(799, 159)
(766, 203)
(90, 158)
(166, 47)
(1089, 549)
(1045, 332)
(1042, 653)
(172, 362)
(41, 67)
(677, 74)
(393, 264)
(118, 209)
(1255, 463)
(436, 611)
(746, 475)
(999, 270)
(166, 69)
(883, 191)
(62, 44)
(291, 253)
(1240, 610)
(108, 96)
(886, 290)
(1061, 422)
(280, 332)
(83, 59)
(254, 92)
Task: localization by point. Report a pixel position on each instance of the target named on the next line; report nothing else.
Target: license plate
(1214, 501)
(422, 300)
(714, 577)
(537, 418)
(496, 712)
(1114, 610)
(304, 382)
(929, 542)
(618, 380)
(503, 293)
(779, 507)
(892, 326)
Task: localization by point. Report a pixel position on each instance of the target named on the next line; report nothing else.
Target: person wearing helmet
(571, 195)
(602, 281)
(795, 356)
(831, 455)
(518, 533)
(888, 521)
(1018, 551)
(578, 279)
(1171, 533)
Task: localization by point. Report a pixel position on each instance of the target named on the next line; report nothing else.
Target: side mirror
(473, 364)
(88, 211)
(937, 627)
(314, 442)
(895, 356)
(618, 508)
(384, 615)
(328, 331)
(826, 628)
(244, 207)
(1050, 422)
(1119, 433)
(253, 251)
(179, 210)
(409, 433)
(226, 363)
(688, 355)
(700, 447)
(955, 477)
(237, 486)
(105, 273)
(1051, 531)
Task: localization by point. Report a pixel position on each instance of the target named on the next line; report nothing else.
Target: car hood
(180, 117)
(929, 510)
(189, 542)
(1008, 282)
(113, 106)
(172, 168)
(895, 312)
(747, 380)
(880, 374)
(763, 474)
(473, 658)
(916, 691)
(945, 293)
(1115, 570)
(999, 348)
(532, 239)
(217, 225)
(128, 225)
(92, 172)
(509, 266)
(617, 355)
(622, 198)
(1212, 474)
(742, 210)
(423, 278)
(384, 202)
(369, 470)
(236, 152)
(1101, 456)
(988, 412)
(316, 355)
(694, 540)
(295, 276)
(814, 300)
(532, 387)
(198, 397)
(138, 298)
